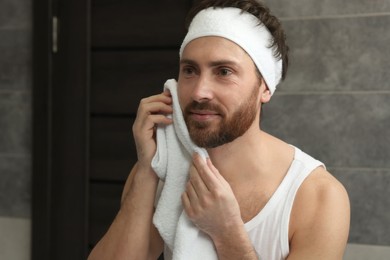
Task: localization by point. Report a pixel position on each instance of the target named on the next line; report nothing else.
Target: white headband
(243, 29)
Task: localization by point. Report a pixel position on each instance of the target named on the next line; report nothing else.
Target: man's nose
(202, 90)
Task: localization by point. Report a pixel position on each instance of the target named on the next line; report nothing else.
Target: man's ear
(265, 93)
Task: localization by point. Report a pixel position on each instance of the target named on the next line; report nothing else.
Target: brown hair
(259, 10)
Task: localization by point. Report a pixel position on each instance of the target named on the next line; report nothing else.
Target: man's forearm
(234, 244)
(129, 235)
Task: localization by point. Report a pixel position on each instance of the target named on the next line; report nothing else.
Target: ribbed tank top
(269, 230)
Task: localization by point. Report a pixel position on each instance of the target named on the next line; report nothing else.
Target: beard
(205, 135)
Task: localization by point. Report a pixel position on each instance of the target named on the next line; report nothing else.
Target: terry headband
(245, 30)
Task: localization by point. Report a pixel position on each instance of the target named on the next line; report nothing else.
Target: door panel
(103, 206)
(113, 150)
(121, 79)
(124, 23)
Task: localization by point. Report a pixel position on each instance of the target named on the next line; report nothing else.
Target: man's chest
(252, 201)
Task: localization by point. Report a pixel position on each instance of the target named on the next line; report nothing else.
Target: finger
(153, 113)
(167, 93)
(208, 177)
(164, 97)
(197, 182)
(155, 120)
(155, 104)
(186, 204)
(217, 174)
(213, 169)
(191, 193)
(150, 122)
(154, 108)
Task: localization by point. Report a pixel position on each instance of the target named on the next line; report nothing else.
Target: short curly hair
(259, 10)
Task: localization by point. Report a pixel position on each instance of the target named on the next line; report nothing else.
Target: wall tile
(15, 242)
(341, 130)
(15, 186)
(15, 14)
(15, 123)
(364, 252)
(369, 192)
(299, 8)
(15, 59)
(349, 54)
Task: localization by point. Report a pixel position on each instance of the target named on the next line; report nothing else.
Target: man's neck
(255, 156)
(247, 155)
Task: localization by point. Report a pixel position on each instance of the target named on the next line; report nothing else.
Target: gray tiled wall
(335, 103)
(15, 107)
(299, 9)
(339, 54)
(15, 59)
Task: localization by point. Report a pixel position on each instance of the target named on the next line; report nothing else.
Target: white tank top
(268, 230)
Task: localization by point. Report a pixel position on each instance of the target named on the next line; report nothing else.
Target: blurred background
(72, 73)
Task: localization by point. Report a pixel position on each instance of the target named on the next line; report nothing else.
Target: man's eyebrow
(211, 64)
(222, 62)
(188, 61)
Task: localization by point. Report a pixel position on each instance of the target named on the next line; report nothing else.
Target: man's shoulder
(319, 220)
(321, 182)
(321, 187)
(320, 197)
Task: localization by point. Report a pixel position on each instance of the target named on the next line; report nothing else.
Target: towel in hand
(171, 163)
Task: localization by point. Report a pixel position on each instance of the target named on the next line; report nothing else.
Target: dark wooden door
(110, 55)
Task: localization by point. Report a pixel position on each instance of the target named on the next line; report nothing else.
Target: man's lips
(203, 115)
(204, 112)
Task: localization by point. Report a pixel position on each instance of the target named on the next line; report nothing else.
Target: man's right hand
(152, 111)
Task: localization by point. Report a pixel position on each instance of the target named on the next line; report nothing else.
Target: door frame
(60, 148)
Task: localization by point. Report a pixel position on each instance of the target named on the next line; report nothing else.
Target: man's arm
(132, 234)
(320, 217)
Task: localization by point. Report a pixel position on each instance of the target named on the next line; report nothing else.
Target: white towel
(171, 163)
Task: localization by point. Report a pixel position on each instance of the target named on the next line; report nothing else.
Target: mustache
(194, 105)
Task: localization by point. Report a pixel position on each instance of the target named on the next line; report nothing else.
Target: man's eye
(225, 72)
(188, 70)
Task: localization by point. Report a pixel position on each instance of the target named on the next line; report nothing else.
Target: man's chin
(208, 141)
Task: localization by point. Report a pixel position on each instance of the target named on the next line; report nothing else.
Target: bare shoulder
(320, 195)
(320, 216)
(321, 186)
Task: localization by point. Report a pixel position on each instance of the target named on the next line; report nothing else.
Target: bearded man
(254, 196)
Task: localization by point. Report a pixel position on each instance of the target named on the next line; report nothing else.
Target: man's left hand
(209, 200)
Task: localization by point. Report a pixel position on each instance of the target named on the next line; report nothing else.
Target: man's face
(218, 91)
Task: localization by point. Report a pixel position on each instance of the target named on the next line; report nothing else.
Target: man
(255, 197)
